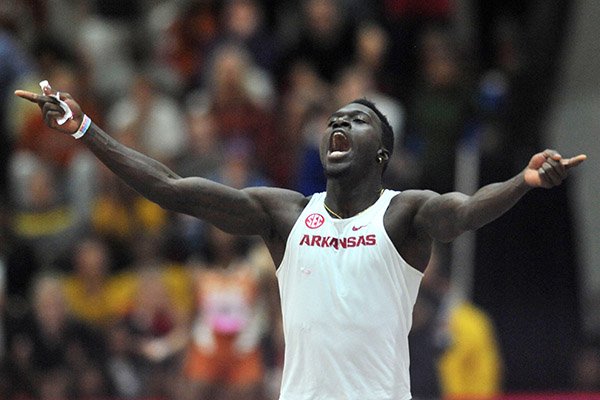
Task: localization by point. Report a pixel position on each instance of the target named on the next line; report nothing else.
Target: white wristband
(85, 124)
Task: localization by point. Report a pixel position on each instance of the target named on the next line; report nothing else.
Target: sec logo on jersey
(313, 221)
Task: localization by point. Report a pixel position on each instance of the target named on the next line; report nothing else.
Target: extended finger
(574, 161)
(35, 98)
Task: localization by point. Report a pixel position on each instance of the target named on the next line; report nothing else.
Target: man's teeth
(339, 142)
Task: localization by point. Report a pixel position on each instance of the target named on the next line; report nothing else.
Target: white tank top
(347, 299)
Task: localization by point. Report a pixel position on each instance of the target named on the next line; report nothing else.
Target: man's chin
(337, 170)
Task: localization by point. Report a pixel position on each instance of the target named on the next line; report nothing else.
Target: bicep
(232, 210)
(440, 216)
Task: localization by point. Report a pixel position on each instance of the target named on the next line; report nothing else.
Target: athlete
(350, 260)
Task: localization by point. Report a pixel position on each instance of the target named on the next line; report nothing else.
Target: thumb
(537, 160)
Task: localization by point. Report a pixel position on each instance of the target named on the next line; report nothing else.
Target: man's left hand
(548, 168)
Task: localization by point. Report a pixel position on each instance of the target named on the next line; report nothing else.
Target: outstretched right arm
(245, 212)
(235, 211)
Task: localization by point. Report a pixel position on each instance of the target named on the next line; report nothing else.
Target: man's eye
(360, 121)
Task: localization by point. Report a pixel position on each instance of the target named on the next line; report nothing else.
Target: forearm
(144, 174)
(446, 216)
(490, 202)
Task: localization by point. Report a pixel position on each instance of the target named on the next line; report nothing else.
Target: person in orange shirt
(224, 358)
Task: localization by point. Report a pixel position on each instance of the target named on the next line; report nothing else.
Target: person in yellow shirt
(92, 295)
(471, 366)
(470, 363)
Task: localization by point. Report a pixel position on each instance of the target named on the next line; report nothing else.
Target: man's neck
(347, 199)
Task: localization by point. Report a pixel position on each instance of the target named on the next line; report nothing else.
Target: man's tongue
(339, 142)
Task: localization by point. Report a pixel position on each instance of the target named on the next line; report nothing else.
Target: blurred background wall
(573, 125)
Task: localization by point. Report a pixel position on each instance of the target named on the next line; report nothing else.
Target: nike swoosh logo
(355, 228)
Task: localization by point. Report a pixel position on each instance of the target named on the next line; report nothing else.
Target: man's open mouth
(338, 143)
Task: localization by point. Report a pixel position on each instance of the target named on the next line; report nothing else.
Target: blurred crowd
(105, 294)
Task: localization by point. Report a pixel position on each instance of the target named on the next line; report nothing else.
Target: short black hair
(387, 133)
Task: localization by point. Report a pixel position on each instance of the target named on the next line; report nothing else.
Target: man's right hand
(51, 110)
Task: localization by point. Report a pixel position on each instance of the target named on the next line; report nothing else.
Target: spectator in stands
(52, 347)
(469, 361)
(243, 22)
(325, 39)
(441, 109)
(157, 333)
(224, 360)
(303, 96)
(190, 38)
(372, 55)
(91, 294)
(122, 366)
(149, 120)
(407, 20)
(234, 95)
(46, 217)
(120, 215)
(204, 152)
(110, 37)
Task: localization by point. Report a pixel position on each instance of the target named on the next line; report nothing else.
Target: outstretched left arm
(444, 217)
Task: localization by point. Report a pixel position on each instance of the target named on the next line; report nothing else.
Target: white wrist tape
(68, 114)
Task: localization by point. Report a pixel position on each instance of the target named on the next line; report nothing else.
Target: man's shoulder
(412, 197)
(404, 207)
(273, 195)
(283, 205)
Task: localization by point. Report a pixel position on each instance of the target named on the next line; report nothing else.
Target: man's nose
(340, 122)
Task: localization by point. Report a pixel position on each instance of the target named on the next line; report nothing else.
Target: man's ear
(384, 154)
